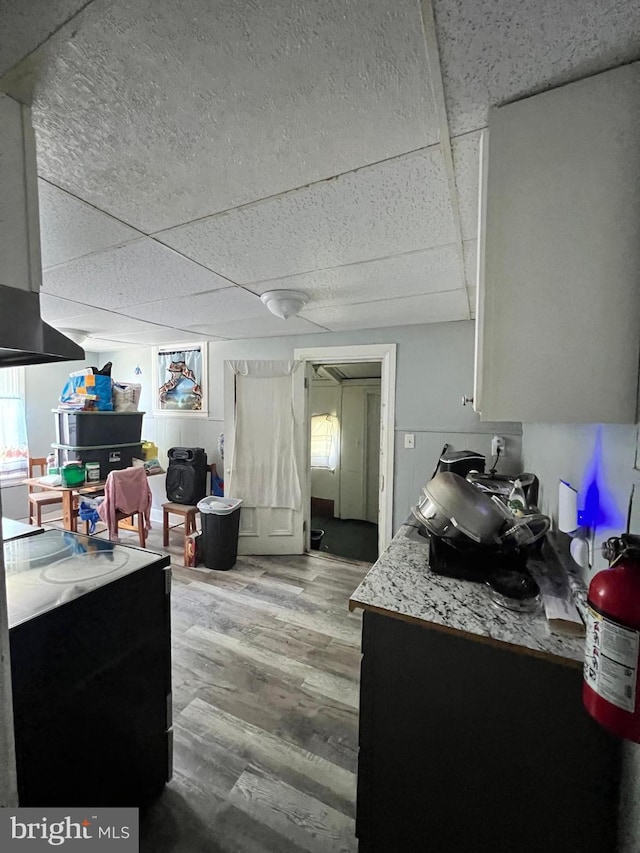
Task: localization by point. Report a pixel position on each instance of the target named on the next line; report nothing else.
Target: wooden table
(69, 517)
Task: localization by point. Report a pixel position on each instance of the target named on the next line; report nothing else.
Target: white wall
(572, 452)
(43, 384)
(567, 452)
(434, 371)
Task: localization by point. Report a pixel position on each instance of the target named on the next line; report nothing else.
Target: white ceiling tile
(143, 271)
(466, 163)
(162, 112)
(493, 52)
(69, 228)
(400, 275)
(104, 323)
(158, 335)
(24, 25)
(470, 249)
(393, 207)
(428, 308)
(53, 308)
(267, 326)
(103, 345)
(215, 308)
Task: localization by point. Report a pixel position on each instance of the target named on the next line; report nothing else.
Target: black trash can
(220, 524)
(316, 539)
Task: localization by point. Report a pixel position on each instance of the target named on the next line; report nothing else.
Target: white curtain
(14, 452)
(264, 470)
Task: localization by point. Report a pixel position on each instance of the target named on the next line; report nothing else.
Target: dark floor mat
(349, 538)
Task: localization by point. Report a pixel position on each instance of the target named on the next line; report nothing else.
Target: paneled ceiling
(193, 155)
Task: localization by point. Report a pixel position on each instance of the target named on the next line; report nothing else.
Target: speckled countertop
(400, 584)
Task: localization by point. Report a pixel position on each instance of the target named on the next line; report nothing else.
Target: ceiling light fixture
(284, 303)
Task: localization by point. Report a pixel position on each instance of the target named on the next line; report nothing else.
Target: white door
(251, 414)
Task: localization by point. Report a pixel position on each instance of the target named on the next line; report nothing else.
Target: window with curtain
(324, 441)
(14, 452)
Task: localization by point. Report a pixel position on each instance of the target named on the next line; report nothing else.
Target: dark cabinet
(467, 747)
(92, 690)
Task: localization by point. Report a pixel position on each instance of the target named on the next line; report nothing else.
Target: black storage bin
(113, 458)
(90, 429)
(219, 540)
(187, 475)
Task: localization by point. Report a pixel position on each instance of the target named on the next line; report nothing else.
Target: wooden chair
(39, 498)
(187, 512)
(127, 520)
(134, 523)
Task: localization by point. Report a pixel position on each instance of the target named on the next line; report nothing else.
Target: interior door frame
(386, 355)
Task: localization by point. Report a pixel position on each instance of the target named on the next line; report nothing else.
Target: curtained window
(324, 441)
(14, 453)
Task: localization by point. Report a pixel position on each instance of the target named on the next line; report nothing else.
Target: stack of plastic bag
(88, 389)
(126, 396)
(88, 511)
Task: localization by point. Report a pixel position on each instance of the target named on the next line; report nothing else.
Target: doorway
(377, 481)
(344, 412)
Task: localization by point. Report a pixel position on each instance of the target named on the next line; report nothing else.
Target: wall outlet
(497, 443)
(409, 440)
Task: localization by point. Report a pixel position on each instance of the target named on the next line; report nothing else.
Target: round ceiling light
(284, 303)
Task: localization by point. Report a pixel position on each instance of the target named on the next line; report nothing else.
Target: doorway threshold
(336, 558)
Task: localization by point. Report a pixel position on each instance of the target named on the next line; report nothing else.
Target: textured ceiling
(193, 155)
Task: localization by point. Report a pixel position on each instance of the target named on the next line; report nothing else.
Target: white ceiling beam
(437, 86)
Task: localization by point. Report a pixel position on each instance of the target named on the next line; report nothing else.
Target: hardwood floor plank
(257, 745)
(344, 691)
(346, 628)
(338, 688)
(265, 748)
(238, 832)
(311, 825)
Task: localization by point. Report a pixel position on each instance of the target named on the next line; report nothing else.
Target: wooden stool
(187, 512)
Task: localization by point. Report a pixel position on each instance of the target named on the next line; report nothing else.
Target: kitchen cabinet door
(466, 747)
(559, 272)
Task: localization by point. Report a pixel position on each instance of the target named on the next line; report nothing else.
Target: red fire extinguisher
(611, 687)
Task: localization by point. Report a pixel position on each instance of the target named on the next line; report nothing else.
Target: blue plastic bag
(89, 385)
(217, 486)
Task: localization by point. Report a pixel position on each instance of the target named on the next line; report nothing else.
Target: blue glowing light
(599, 509)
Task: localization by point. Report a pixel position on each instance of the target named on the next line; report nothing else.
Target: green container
(72, 474)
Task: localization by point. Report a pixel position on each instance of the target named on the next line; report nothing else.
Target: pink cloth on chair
(127, 491)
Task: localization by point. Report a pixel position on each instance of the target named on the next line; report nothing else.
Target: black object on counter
(461, 462)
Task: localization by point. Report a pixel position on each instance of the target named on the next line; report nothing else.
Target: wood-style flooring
(265, 708)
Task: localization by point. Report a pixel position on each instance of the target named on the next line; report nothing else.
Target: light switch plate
(409, 440)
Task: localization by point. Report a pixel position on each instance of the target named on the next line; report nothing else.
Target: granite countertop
(400, 584)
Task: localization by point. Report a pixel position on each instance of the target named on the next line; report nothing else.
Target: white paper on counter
(562, 615)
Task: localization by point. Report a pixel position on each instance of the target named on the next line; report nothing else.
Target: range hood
(24, 336)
